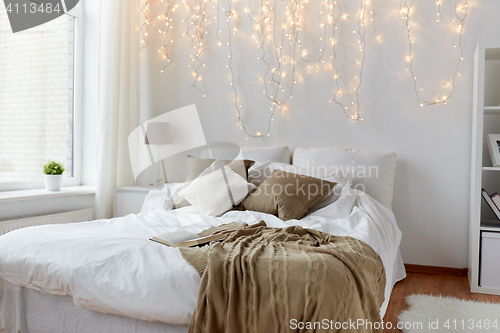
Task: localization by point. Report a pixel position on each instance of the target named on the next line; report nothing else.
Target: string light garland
(372, 19)
(195, 28)
(279, 79)
(406, 8)
(265, 26)
(163, 27)
(361, 32)
(278, 39)
(262, 26)
(439, 16)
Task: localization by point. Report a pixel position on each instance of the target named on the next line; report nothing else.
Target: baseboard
(410, 268)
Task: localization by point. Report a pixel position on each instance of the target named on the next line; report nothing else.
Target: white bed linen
(110, 266)
(25, 310)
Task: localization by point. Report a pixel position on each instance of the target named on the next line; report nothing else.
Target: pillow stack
(290, 192)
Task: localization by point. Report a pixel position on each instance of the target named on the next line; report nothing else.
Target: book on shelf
(185, 238)
(490, 202)
(495, 197)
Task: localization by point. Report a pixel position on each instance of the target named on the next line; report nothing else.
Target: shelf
(492, 109)
(489, 225)
(486, 120)
(490, 168)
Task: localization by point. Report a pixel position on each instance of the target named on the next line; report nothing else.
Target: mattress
(109, 267)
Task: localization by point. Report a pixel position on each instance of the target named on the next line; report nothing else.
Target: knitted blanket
(262, 279)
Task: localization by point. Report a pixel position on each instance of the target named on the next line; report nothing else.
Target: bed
(106, 276)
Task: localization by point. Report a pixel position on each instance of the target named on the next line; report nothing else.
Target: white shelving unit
(485, 120)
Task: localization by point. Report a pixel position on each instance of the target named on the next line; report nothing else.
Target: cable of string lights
(163, 28)
(266, 32)
(284, 40)
(406, 8)
(161, 22)
(361, 32)
(195, 28)
(264, 26)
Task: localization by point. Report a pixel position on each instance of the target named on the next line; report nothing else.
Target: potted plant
(53, 175)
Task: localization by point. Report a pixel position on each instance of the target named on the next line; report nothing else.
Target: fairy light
(406, 7)
(266, 30)
(160, 22)
(325, 19)
(353, 114)
(195, 28)
(372, 20)
(277, 35)
(267, 33)
(439, 15)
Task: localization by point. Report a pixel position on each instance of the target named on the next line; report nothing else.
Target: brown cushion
(287, 195)
(197, 165)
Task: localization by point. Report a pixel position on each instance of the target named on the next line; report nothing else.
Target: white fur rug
(439, 314)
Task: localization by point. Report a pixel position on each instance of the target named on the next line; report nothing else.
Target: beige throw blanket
(263, 279)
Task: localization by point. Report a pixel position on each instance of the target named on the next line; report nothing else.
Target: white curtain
(118, 97)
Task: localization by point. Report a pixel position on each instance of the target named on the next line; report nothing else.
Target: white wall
(433, 144)
(431, 200)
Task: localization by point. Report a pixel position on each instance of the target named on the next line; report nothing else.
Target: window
(37, 101)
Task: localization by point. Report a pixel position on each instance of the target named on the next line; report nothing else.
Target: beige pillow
(197, 165)
(287, 195)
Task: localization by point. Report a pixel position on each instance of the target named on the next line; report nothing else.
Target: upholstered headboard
(226, 150)
(280, 154)
(372, 169)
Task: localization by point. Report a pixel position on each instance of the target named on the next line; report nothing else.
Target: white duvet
(110, 266)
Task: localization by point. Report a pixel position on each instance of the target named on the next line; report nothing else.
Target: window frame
(75, 180)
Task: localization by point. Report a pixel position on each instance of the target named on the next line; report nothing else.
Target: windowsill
(43, 193)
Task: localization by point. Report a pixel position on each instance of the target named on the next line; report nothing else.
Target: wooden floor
(430, 284)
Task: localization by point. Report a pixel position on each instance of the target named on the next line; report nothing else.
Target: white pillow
(263, 156)
(162, 199)
(211, 195)
(325, 173)
(370, 171)
(329, 174)
(280, 154)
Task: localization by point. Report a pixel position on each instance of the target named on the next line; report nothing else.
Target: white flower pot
(53, 182)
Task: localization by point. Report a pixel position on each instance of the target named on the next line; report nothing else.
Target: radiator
(69, 217)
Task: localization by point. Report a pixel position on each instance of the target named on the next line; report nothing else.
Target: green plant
(53, 168)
